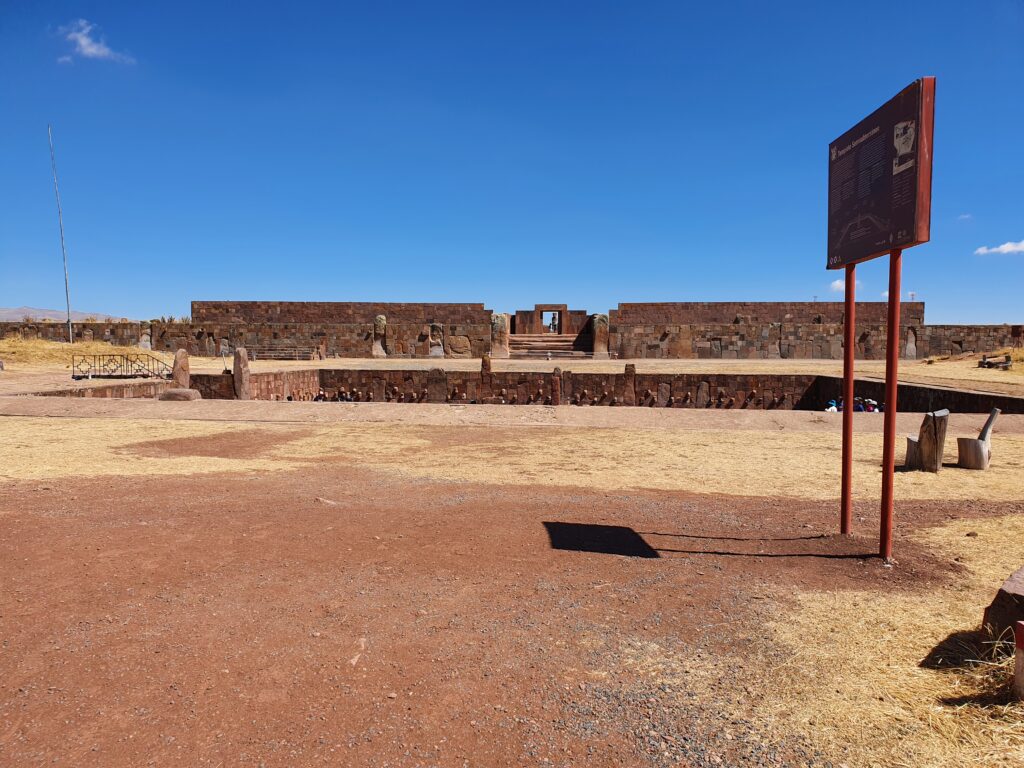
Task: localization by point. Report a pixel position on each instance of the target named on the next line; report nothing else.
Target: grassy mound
(14, 349)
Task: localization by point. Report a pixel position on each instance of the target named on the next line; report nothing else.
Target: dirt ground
(286, 584)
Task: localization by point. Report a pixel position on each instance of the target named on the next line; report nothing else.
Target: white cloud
(1004, 248)
(840, 285)
(885, 295)
(89, 45)
(965, 217)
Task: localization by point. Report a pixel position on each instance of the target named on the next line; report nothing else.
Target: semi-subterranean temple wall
(726, 330)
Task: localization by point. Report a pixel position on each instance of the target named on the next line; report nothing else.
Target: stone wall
(135, 389)
(276, 385)
(940, 340)
(798, 341)
(743, 312)
(402, 339)
(654, 390)
(728, 330)
(122, 334)
(688, 390)
(336, 312)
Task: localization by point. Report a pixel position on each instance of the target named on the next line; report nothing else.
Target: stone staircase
(543, 346)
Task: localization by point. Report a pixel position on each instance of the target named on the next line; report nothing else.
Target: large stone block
(179, 395)
(459, 346)
(599, 327)
(1006, 609)
(241, 375)
(437, 386)
(180, 369)
(499, 335)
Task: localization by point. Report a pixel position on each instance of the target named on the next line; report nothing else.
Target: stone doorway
(551, 322)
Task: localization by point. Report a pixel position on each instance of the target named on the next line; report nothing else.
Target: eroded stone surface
(240, 373)
(437, 386)
(600, 327)
(380, 330)
(1006, 609)
(179, 395)
(499, 335)
(459, 346)
(180, 370)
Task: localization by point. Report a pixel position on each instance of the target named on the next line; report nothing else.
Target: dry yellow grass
(854, 680)
(42, 449)
(37, 352)
(736, 462)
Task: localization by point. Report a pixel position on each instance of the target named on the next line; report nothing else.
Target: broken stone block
(1006, 609)
(179, 395)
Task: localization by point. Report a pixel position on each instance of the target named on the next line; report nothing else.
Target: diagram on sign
(904, 134)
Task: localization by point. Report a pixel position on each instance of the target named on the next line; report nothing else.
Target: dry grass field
(244, 586)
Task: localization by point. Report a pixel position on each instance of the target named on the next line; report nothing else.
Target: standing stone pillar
(499, 335)
(486, 377)
(240, 374)
(437, 386)
(180, 372)
(599, 324)
(380, 329)
(556, 387)
(629, 385)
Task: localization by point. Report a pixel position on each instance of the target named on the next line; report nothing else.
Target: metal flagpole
(60, 221)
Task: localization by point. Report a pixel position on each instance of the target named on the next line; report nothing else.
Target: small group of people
(341, 396)
(860, 405)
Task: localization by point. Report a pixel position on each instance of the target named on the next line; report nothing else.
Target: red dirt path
(341, 617)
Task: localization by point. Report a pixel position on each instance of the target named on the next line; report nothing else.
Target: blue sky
(515, 153)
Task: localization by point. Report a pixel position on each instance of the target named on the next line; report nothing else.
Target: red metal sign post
(892, 361)
(879, 201)
(849, 346)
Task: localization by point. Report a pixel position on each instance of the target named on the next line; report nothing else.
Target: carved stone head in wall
(380, 324)
(436, 334)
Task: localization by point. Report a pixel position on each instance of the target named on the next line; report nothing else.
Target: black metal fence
(119, 367)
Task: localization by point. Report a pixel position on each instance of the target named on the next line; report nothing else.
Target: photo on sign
(903, 138)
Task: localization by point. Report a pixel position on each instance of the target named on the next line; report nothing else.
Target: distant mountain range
(17, 314)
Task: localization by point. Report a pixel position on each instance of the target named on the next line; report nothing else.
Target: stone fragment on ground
(1006, 609)
(179, 395)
